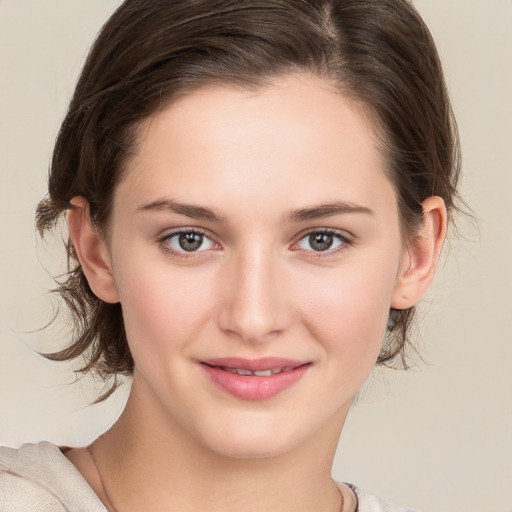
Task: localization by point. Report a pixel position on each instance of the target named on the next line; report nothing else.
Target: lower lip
(252, 387)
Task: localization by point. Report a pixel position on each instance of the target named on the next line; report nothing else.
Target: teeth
(239, 371)
(258, 373)
(263, 373)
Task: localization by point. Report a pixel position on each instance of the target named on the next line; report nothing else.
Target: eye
(323, 241)
(188, 241)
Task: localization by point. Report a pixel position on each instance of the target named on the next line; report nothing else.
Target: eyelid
(168, 233)
(163, 240)
(345, 238)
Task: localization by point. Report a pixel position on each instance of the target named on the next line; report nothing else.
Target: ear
(421, 256)
(92, 251)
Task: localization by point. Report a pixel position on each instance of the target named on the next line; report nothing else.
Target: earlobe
(91, 250)
(421, 256)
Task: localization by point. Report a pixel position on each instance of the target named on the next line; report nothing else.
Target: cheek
(348, 309)
(164, 308)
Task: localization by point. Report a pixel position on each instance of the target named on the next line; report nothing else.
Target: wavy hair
(377, 52)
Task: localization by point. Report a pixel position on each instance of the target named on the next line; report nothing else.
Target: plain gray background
(435, 439)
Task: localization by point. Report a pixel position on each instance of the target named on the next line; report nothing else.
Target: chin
(255, 446)
(258, 437)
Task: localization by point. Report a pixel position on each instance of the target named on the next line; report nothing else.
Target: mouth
(244, 372)
(254, 379)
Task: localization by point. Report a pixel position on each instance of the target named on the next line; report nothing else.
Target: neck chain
(111, 507)
(342, 498)
(108, 505)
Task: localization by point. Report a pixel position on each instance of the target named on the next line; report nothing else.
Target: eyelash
(344, 240)
(341, 236)
(164, 243)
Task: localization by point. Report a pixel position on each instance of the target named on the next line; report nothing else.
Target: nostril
(252, 306)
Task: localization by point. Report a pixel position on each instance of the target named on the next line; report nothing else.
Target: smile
(258, 379)
(258, 373)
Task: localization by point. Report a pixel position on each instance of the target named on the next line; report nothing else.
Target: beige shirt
(39, 478)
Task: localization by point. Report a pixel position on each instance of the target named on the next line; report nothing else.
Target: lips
(258, 373)
(254, 379)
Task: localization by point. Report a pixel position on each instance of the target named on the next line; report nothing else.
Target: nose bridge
(253, 309)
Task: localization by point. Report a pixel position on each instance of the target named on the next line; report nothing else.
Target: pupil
(320, 241)
(190, 241)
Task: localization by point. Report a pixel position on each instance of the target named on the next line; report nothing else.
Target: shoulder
(39, 477)
(370, 503)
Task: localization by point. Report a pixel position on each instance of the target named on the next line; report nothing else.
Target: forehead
(298, 139)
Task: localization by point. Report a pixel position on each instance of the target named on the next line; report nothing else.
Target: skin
(255, 288)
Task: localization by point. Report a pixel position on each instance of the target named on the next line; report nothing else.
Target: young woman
(257, 193)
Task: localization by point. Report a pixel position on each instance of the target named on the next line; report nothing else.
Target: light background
(436, 439)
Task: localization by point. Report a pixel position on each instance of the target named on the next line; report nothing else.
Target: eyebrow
(300, 215)
(326, 210)
(188, 210)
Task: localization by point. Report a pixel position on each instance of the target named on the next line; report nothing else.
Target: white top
(39, 478)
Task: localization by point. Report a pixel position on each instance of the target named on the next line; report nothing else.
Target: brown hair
(378, 52)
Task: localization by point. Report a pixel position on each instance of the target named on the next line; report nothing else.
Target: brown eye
(183, 243)
(190, 241)
(321, 241)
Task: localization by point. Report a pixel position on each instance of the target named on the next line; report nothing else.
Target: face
(255, 248)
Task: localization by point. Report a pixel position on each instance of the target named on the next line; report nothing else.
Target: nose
(255, 306)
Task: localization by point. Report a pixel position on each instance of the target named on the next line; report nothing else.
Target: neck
(148, 462)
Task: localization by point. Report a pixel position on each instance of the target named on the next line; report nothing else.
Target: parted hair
(379, 53)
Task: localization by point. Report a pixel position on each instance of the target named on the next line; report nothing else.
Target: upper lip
(263, 363)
